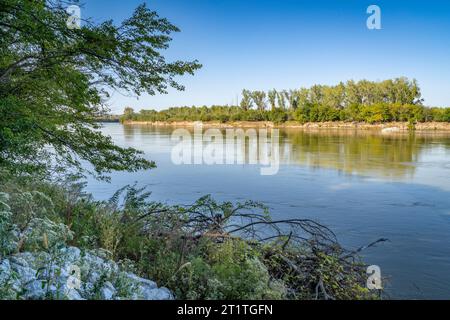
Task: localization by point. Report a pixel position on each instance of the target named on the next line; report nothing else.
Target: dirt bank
(387, 127)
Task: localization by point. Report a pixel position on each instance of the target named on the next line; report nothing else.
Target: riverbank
(56, 235)
(386, 127)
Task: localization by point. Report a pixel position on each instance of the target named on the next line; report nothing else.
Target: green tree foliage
(281, 97)
(259, 97)
(128, 113)
(363, 101)
(272, 95)
(55, 81)
(292, 98)
(246, 101)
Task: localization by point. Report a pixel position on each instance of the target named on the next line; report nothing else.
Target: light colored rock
(148, 284)
(108, 291)
(52, 280)
(72, 294)
(35, 290)
(157, 294)
(19, 260)
(72, 254)
(24, 274)
(390, 130)
(5, 269)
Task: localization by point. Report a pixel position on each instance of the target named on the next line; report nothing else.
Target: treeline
(363, 101)
(108, 118)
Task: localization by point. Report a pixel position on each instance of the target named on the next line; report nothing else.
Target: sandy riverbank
(388, 127)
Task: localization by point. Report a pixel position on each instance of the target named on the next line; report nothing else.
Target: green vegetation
(54, 82)
(363, 101)
(197, 251)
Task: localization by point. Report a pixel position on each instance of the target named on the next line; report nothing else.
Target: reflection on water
(368, 153)
(360, 152)
(364, 185)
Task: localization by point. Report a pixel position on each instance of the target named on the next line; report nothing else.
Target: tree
(246, 102)
(407, 92)
(292, 98)
(55, 80)
(282, 100)
(128, 113)
(259, 97)
(333, 96)
(364, 101)
(316, 94)
(352, 96)
(272, 95)
(302, 97)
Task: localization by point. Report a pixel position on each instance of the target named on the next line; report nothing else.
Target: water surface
(363, 185)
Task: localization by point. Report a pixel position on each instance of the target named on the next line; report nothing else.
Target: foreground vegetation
(208, 250)
(363, 101)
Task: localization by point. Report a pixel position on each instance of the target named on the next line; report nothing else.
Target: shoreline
(384, 127)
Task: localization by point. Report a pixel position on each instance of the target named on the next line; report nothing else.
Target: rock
(19, 260)
(5, 269)
(72, 254)
(108, 291)
(35, 290)
(7, 278)
(391, 129)
(148, 284)
(72, 294)
(157, 294)
(24, 274)
(39, 280)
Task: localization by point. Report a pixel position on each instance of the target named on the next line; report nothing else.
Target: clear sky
(287, 44)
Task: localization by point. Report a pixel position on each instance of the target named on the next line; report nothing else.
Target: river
(364, 185)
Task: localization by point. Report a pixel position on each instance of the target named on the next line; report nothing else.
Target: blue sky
(283, 44)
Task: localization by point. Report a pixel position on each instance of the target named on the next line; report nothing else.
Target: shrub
(277, 116)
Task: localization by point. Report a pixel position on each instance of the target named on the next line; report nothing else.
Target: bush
(277, 116)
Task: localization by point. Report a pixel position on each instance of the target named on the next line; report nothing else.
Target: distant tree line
(364, 101)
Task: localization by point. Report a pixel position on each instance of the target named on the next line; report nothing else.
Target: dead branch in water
(302, 253)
